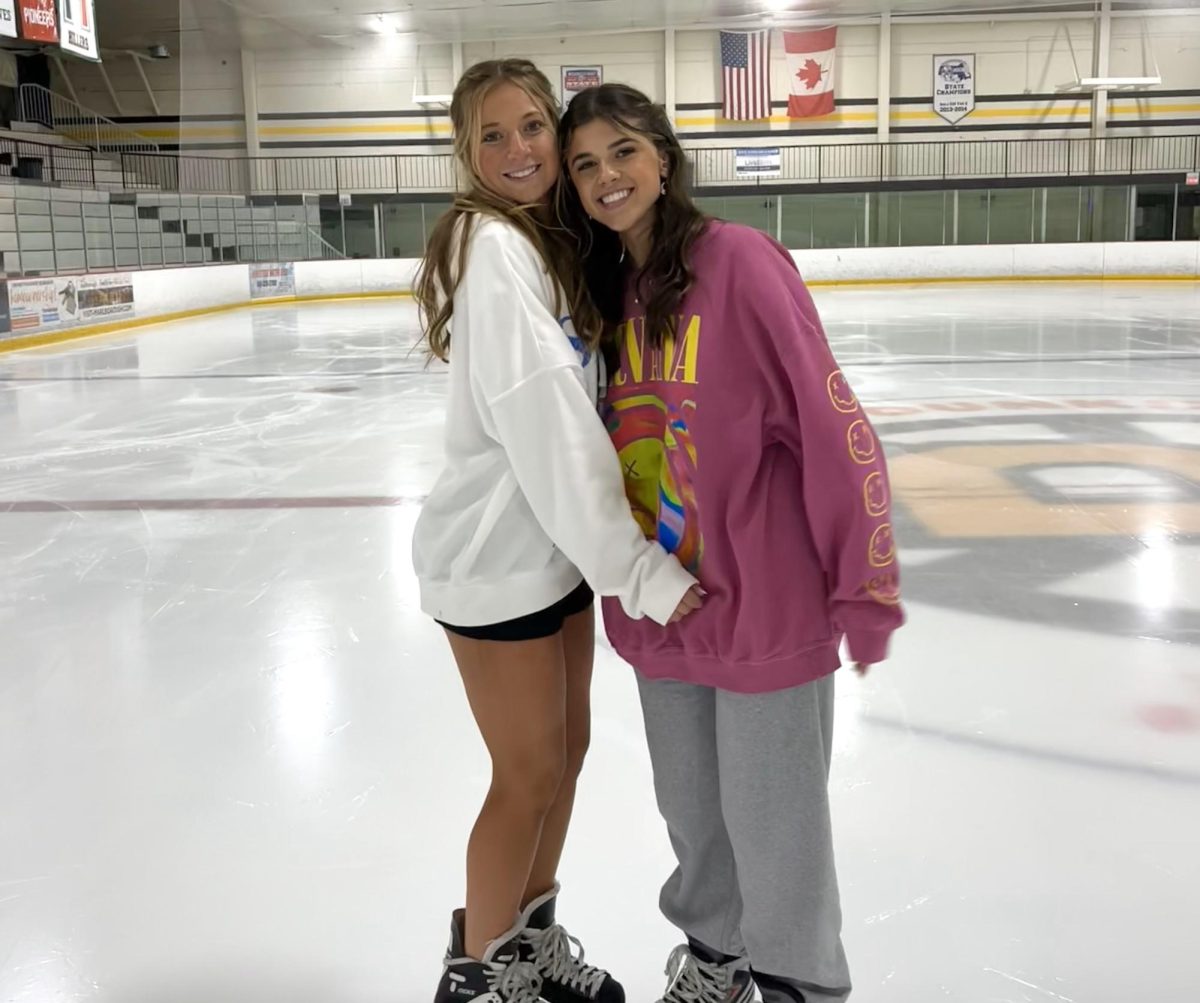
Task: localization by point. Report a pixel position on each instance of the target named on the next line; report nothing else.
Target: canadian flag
(810, 62)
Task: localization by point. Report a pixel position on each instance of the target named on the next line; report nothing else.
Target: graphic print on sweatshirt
(649, 413)
(577, 343)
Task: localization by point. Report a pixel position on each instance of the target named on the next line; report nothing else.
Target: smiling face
(618, 175)
(515, 152)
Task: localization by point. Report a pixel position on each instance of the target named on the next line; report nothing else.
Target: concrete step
(30, 127)
(31, 132)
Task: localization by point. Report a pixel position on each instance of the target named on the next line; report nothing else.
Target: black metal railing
(799, 165)
(954, 161)
(42, 106)
(66, 166)
(289, 175)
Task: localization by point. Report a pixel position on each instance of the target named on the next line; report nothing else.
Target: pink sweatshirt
(747, 455)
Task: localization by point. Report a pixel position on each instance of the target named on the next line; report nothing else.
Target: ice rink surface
(236, 764)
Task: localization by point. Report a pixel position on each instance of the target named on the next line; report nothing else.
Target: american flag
(746, 71)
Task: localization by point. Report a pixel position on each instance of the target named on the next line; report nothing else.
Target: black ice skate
(501, 977)
(549, 948)
(696, 975)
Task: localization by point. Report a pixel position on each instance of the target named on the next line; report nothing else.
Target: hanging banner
(78, 28)
(812, 72)
(8, 19)
(39, 20)
(580, 78)
(954, 87)
(757, 161)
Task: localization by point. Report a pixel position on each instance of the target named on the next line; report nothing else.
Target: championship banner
(8, 19)
(78, 28)
(39, 20)
(954, 87)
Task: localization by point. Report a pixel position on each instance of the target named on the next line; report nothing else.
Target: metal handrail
(801, 164)
(46, 163)
(42, 106)
(328, 251)
(955, 160)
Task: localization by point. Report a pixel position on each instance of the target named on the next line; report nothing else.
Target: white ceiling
(281, 23)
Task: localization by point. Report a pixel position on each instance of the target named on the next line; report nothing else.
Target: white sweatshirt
(532, 497)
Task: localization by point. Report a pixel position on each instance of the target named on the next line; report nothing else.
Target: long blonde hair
(445, 256)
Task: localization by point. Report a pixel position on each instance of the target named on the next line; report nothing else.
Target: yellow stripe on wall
(839, 116)
(1162, 109)
(1077, 109)
(380, 129)
(203, 132)
(1057, 112)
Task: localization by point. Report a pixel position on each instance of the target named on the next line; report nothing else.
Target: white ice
(236, 763)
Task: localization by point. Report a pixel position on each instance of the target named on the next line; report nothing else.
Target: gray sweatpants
(742, 782)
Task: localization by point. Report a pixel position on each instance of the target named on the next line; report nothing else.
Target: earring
(662, 187)
(622, 257)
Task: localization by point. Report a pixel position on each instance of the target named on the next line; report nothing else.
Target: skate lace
(558, 963)
(517, 982)
(694, 981)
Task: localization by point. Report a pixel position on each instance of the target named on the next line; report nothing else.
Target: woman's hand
(692, 600)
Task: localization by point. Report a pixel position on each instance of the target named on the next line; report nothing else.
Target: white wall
(198, 92)
(1011, 57)
(634, 58)
(165, 292)
(356, 99)
(377, 75)
(1000, 261)
(172, 290)
(1024, 62)
(339, 278)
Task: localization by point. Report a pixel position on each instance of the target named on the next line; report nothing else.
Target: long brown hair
(667, 274)
(445, 256)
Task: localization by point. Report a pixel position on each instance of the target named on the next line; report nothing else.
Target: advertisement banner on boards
(272, 279)
(37, 305)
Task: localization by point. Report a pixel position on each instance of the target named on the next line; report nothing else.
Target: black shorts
(533, 626)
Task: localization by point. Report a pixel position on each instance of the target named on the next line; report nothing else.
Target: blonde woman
(528, 517)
